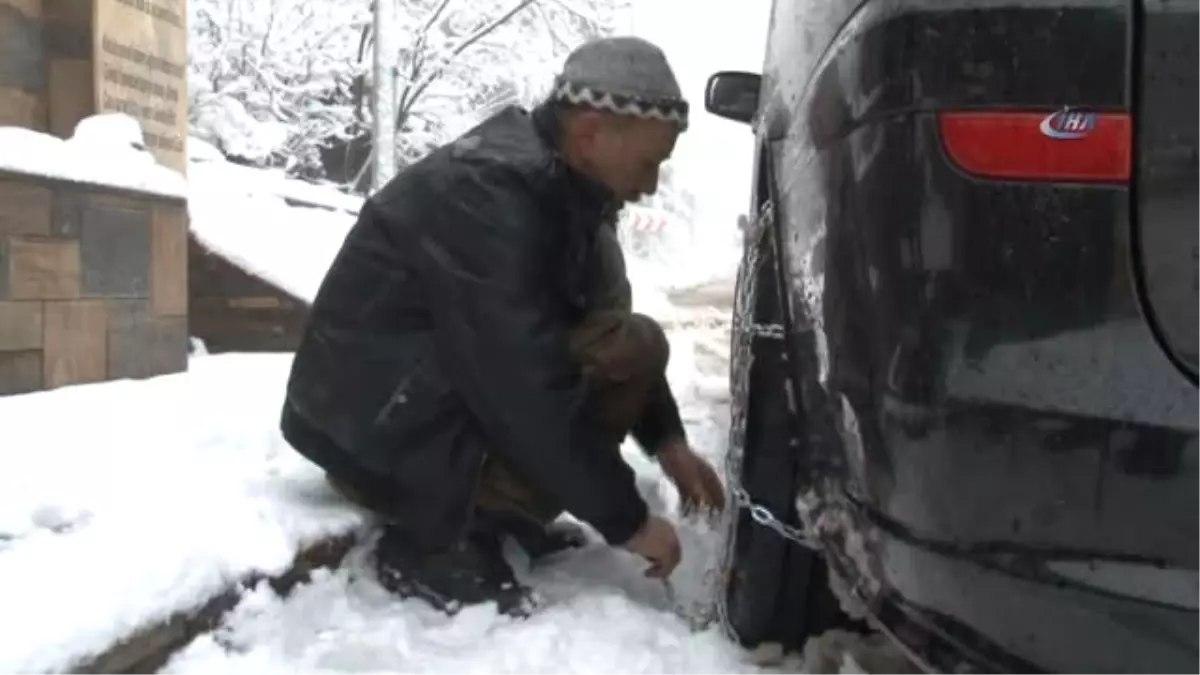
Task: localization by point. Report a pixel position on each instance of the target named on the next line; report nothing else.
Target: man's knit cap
(622, 75)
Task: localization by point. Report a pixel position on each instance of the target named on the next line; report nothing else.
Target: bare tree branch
(435, 15)
(558, 41)
(417, 83)
(481, 32)
(283, 82)
(571, 10)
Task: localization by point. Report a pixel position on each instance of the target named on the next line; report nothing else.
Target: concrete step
(148, 648)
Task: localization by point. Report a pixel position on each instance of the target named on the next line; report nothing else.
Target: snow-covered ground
(603, 614)
(121, 503)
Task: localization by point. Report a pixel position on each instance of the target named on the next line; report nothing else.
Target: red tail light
(1064, 146)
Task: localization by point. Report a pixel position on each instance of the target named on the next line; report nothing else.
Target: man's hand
(695, 478)
(657, 542)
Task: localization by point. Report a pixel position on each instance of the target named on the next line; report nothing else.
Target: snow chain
(763, 516)
(741, 499)
(767, 331)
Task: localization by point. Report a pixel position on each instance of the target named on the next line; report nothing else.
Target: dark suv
(965, 336)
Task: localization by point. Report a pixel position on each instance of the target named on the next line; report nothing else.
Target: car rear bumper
(1081, 621)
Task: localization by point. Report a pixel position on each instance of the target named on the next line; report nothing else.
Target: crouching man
(472, 365)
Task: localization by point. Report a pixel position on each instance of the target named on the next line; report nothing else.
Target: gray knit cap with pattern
(622, 75)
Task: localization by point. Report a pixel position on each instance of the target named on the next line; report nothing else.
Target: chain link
(763, 516)
(770, 331)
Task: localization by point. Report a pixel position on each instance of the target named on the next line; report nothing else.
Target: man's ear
(586, 125)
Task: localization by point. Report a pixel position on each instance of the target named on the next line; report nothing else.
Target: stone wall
(64, 60)
(233, 310)
(93, 284)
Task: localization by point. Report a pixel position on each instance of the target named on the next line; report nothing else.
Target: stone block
(125, 313)
(67, 29)
(169, 260)
(140, 64)
(6, 267)
(20, 325)
(75, 339)
(42, 269)
(149, 347)
(115, 249)
(23, 109)
(20, 372)
(30, 8)
(71, 94)
(24, 207)
(22, 54)
(66, 211)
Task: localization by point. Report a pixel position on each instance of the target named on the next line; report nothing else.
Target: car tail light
(1068, 145)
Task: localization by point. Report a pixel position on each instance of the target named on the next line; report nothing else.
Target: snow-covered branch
(286, 82)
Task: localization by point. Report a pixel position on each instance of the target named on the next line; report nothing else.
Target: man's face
(624, 153)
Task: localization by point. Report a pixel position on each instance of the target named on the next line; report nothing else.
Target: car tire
(776, 591)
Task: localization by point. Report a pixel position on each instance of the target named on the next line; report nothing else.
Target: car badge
(1068, 124)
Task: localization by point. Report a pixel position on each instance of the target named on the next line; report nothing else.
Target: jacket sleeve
(660, 421)
(485, 258)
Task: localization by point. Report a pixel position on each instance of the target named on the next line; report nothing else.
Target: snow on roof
(274, 181)
(104, 150)
(243, 214)
(255, 229)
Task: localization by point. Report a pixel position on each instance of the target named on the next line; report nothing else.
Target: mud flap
(779, 590)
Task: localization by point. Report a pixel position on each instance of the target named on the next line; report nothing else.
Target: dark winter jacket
(438, 335)
(608, 288)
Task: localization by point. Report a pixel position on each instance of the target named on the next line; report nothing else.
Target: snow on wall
(104, 150)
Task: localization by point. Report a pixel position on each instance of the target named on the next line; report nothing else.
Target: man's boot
(536, 539)
(472, 572)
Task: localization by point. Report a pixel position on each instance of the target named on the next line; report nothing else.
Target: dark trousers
(622, 356)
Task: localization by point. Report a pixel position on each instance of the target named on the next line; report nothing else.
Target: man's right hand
(657, 542)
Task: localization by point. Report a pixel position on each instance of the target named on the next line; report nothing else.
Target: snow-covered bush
(286, 82)
(270, 80)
